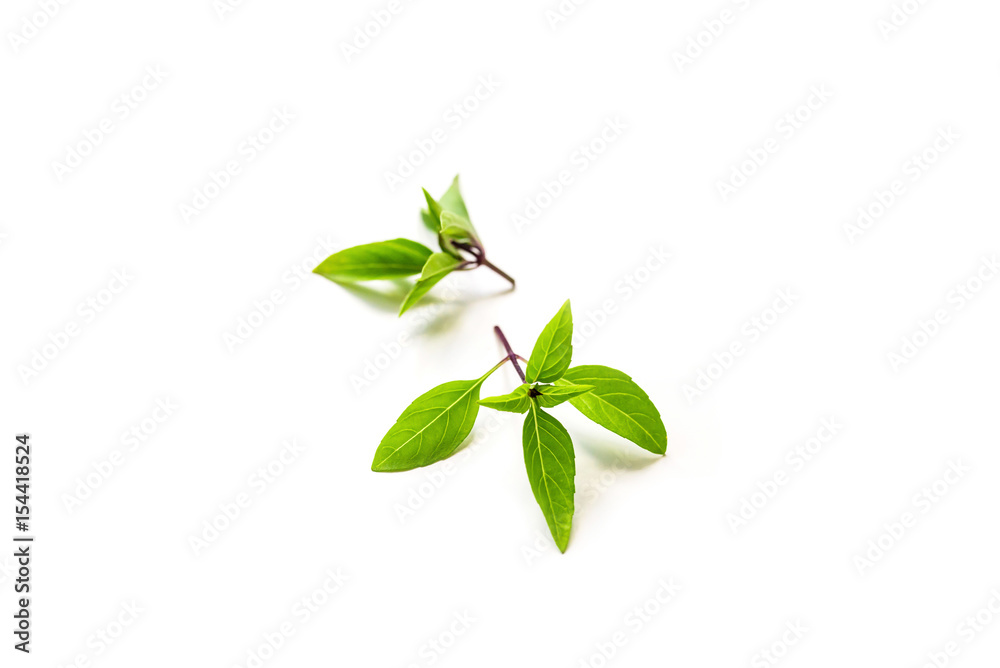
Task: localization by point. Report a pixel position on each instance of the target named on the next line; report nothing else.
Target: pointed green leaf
(431, 428)
(553, 395)
(384, 259)
(515, 402)
(437, 267)
(619, 405)
(548, 396)
(551, 466)
(457, 227)
(553, 350)
(450, 201)
(432, 216)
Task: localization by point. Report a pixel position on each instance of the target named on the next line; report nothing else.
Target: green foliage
(397, 258)
(517, 401)
(553, 349)
(436, 423)
(448, 218)
(553, 395)
(619, 405)
(551, 465)
(432, 427)
(438, 266)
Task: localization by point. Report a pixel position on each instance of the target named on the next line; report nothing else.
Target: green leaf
(450, 201)
(384, 259)
(551, 466)
(553, 395)
(457, 227)
(437, 267)
(432, 216)
(519, 401)
(515, 402)
(553, 350)
(431, 428)
(619, 405)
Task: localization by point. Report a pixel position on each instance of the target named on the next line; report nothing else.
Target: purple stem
(480, 259)
(510, 353)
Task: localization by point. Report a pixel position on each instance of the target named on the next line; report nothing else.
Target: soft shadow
(440, 322)
(446, 316)
(627, 455)
(389, 298)
(472, 299)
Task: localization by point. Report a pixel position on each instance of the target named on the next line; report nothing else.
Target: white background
(478, 544)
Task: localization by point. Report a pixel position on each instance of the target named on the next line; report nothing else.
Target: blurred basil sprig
(461, 250)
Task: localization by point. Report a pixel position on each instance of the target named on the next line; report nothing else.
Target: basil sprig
(434, 426)
(461, 249)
